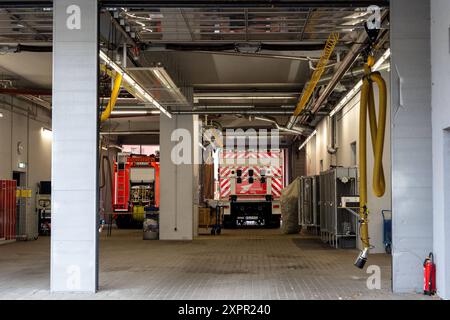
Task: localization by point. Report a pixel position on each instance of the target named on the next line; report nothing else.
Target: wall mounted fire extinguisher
(429, 275)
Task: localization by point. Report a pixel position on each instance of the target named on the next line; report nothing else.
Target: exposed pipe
(25, 48)
(297, 130)
(341, 70)
(235, 111)
(315, 77)
(331, 130)
(127, 133)
(235, 47)
(16, 92)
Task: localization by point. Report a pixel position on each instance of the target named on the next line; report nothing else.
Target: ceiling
(225, 56)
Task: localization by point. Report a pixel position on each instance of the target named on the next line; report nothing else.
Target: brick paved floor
(239, 264)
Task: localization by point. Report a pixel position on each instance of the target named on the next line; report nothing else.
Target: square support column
(178, 147)
(412, 207)
(74, 252)
(440, 70)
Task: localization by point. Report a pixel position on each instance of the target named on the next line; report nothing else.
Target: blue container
(387, 230)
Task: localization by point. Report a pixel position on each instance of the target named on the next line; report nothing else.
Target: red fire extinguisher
(429, 275)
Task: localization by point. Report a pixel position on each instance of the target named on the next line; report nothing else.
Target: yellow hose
(377, 131)
(114, 95)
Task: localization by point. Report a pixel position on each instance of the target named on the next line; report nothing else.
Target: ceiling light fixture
(128, 79)
(197, 98)
(355, 90)
(47, 133)
(165, 79)
(307, 139)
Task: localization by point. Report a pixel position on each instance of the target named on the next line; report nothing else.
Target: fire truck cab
(135, 187)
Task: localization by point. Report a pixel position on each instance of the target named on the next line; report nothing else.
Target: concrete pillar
(74, 252)
(412, 207)
(177, 181)
(440, 70)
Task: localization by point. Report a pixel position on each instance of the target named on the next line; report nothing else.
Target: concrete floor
(239, 264)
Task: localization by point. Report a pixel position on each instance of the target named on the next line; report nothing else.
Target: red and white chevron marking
(276, 187)
(225, 187)
(274, 169)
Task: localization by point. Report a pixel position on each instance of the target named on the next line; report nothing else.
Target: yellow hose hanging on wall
(114, 95)
(377, 130)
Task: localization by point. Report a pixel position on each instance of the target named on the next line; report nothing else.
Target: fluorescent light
(165, 79)
(307, 139)
(128, 79)
(243, 97)
(355, 90)
(383, 58)
(1, 115)
(47, 133)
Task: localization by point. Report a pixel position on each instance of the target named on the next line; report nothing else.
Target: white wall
(347, 126)
(16, 125)
(440, 101)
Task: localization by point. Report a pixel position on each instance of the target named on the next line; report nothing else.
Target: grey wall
(440, 70)
(24, 123)
(411, 142)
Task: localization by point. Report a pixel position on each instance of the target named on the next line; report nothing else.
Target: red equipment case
(8, 209)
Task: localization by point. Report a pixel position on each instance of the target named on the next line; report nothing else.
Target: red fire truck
(135, 187)
(250, 184)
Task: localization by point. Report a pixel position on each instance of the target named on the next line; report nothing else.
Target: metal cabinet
(309, 202)
(338, 225)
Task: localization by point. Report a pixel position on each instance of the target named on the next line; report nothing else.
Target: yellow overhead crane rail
(332, 40)
(377, 131)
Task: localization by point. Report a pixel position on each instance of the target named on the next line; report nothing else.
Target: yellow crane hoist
(377, 130)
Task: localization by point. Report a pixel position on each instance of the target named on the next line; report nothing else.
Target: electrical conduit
(377, 131)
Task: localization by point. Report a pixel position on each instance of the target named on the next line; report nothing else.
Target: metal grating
(245, 24)
(26, 25)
